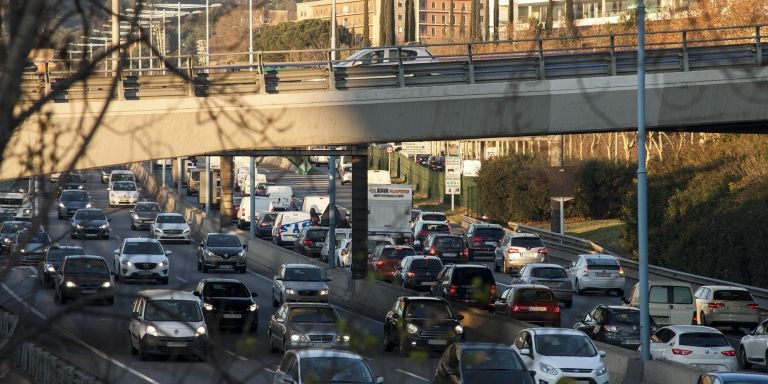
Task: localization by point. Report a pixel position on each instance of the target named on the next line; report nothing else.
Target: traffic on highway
(131, 291)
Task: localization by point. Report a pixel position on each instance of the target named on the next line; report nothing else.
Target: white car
(170, 226)
(167, 322)
(695, 345)
(123, 193)
(345, 174)
(560, 355)
(341, 235)
(139, 258)
(597, 272)
(299, 283)
(753, 348)
(386, 57)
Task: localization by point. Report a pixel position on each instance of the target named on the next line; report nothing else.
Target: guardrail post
(470, 65)
(613, 55)
(262, 76)
(400, 69)
(191, 75)
(758, 47)
(331, 73)
(542, 67)
(686, 68)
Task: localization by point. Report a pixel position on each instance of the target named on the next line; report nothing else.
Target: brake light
(512, 250)
(410, 275)
(264, 225)
(466, 252)
(694, 319)
(610, 328)
(307, 242)
(380, 262)
(555, 309)
(422, 234)
(433, 251)
(716, 305)
(730, 352)
(516, 308)
(621, 271)
(476, 239)
(753, 306)
(493, 290)
(452, 290)
(543, 250)
(585, 271)
(683, 352)
(407, 240)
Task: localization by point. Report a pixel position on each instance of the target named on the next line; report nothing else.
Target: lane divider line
(81, 342)
(183, 280)
(415, 376)
(234, 354)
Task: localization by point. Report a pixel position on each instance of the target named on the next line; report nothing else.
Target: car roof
(147, 203)
(308, 305)
(555, 331)
(71, 191)
(221, 280)
(141, 240)
(90, 257)
(486, 225)
(432, 213)
(621, 308)
(598, 256)
(470, 266)
(545, 265)
(444, 235)
(423, 298)
(464, 345)
(422, 222)
(220, 234)
(692, 328)
(169, 214)
(530, 286)
(324, 352)
(66, 247)
(89, 209)
(724, 287)
(739, 375)
(421, 257)
(299, 265)
(121, 171)
(167, 294)
(524, 234)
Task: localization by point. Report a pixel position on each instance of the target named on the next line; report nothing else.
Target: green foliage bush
(514, 188)
(601, 186)
(304, 34)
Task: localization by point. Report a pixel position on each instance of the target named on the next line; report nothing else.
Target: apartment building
(349, 13)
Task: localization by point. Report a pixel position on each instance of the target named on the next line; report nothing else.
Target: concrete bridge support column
(225, 209)
(556, 160)
(360, 214)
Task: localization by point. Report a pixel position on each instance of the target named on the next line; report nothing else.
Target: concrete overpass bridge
(695, 87)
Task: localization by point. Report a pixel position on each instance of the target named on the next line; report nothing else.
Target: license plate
(493, 243)
(437, 342)
(145, 273)
(88, 291)
(317, 245)
(428, 283)
(226, 266)
(176, 344)
(537, 309)
(603, 274)
(530, 254)
(449, 254)
(232, 316)
(320, 345)
(631, 341)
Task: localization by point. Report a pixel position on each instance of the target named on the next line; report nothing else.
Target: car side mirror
(516, 274)
(502, 300)
(625, 300)
(196, 293)
(379, 380)
(395, 316)
(601, 353)
(254, 294)
(278, 278)
(168, 253)
(459, 317)
(116, 252)
(134, 315)
(109, 219)
(280, 320)
(533, 373)
(189, 222)
(525, 352)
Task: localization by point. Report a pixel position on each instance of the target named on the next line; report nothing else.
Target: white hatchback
(561, 355)
(597, 272)
(695, 345)
(123, 193)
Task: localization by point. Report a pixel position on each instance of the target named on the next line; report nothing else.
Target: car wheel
(59, 299)
(203, 355)
(742, 359)
(204, 268)
(199, 265)
(61, 217)
(105, 237)
(568, 303)
(578, 289)
(504, 269)
(110, 301)
(702, 319)
(72, 235)
(387, 342)
(270, 343)
(283, 348)
(275, 303)
(133, 227)
(495, 265)
(242, 270)
(620, 293)
(143, 356)
(134, 351)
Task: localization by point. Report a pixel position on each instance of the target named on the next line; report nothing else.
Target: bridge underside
(138, 130)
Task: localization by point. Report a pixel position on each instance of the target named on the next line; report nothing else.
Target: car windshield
(171, 219)
(122, 177)
(71, 178)
(58, 254)
(230, 241)
(565, 345)
(40, 238)
(269, 218)
(534, 295)
(143, 248)
(526, 242)
(732, 295)
(334, 369)
(225, 289)
(312, 315)
(90, 214)
(449, 242)
(429, 264)
(703, 339)
(431, 309)
(433, 217)
(86, 266)
(303, 274)
(396, 252)
(474, 276)
(317, 234)
(123, 186)
(491, 359)
(549, 273)
(624, 317)
(74, 196)
(495, 233)
(173, 310)
(147, 208)
(14, 227)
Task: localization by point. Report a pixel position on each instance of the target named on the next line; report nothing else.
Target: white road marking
(118, 237)
(272, 371)
(260, 276)
(235, 355)
(83, 343)
(415, 376)
(181, 279)
(506, 285)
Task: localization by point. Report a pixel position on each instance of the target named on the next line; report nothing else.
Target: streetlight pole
(115, 35)
(642, 188)
(178, 34)
(333, 29)
(207, 36)
(250, 32)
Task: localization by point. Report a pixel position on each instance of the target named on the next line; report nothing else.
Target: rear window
(496, 233)
(317, 234)
(534, 294)
(624, 317)
(732, 295)
(449, 242)
(465, 276)
(603, 264)
(526, 242)
(58, 254)
(395, 253)
(702, 339)
(433, 217)
(436, 228)
(549, 273)
(430, 264)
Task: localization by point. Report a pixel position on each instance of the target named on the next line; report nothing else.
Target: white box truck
(389, 211)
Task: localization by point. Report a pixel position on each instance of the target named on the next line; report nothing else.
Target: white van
(376, 176)
(245, 185)
(262, 204)
(319, 203)
(288, 225)
(470, 168)
(671, 302)
(120, 175)
(281, 196)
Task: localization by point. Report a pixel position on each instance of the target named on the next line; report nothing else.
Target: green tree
(601, 187)
(410, 21)
(305, 34)
(514, 188)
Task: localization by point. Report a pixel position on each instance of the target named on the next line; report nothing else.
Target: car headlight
(324, 292)
(412, 328)
(7, 240)
(346, 338)
(296, 337)
(158, 229)
(459, 329)
(290, 292)
(126, 262)
(253, 307)
(70, 284)
(602, 370)
(27, 210)
(89, 205)
(79, 187)
(208, 307)
(241, 254)
(50, 268)
(61, 205)
(548, 369)
(209, 253)
(151, 330)
(200, 331)
(186, 230)
(23, 250)
(162, 264)
(104, 226)
(135, 216)
(79, 226)
(106, 284)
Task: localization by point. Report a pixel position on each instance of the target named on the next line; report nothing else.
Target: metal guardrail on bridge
(465, 63)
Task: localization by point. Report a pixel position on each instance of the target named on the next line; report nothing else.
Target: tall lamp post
(642, 188)
(178, 7)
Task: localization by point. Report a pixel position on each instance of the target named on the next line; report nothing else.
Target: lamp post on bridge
(178, 7)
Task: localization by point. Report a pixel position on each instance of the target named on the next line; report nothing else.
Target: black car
(70, 181)
(613, 324)
(437, 163)
(84, 275)
(143, 214)
(482, 239)
(52, 262)
(310, 241)
(470, 363)
(265, 223)
(90, 222)
(421, 322)
(8, 232)
(30, 246)
(228, 303)
(7, 216)
(423, 159)
(471, 284)
(418, 273)
(449, 248)
(72, 200)
(261, 189)
(221, 251)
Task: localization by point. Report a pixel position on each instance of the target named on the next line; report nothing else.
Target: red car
(531, 303)
(386, 259)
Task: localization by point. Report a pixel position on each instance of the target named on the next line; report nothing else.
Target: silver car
(305, 325)
(718, 305)
(517, 250)
(324, 366)
(597, 272)
(299, 282)
(170, 226)
(552, 275)
(139, 258)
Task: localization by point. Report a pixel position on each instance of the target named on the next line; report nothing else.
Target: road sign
(453, 169)
(413, 148)
(390, 150)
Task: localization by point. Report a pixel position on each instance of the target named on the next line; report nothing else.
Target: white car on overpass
(386, 56)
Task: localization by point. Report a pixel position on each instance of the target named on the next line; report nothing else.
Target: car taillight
(753, 306)
(380, 262)
(512, 250)
(476, 239)
(621, 271)
(516, 308)
(410, 275)
(264, 225)
(493, 290)
(585, 271)
(683, 352)
(407, 240)
(422, 234)
(729, 353)
(452, 290)
(716, 305)
(543, 250)
(466, 252)
(555, 309)
(610, 328)
(433, 251)
(694, 319)
(307, 242)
